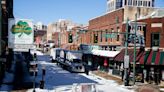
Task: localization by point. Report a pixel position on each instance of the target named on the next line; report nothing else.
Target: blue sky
(46, 11)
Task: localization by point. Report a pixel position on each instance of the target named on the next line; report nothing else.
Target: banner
(20, 34)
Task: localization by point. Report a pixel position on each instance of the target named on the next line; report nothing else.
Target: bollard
(43, 72)
(41, 84)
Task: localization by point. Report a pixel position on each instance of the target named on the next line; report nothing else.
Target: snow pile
(35, 51)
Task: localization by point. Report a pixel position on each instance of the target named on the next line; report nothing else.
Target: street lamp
(34, 71)
(134, 59)
(126, 57)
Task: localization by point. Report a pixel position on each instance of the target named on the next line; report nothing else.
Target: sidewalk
(19, 78)
(108, 76)
(137, 85)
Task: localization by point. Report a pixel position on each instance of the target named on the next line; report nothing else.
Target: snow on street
(59, 80)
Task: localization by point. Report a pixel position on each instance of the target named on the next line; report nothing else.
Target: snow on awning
(105, 53)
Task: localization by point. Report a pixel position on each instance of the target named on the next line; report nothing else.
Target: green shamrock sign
(20, 28)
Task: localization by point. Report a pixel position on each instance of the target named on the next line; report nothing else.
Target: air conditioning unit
(155, 48)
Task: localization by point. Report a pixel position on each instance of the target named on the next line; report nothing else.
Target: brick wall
(150, 30)
(106, 22)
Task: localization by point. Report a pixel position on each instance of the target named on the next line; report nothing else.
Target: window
(111, 39)
(146, 3)
(125, 2)
(130, 2)
(155, 39)
(106, 38)
(118, 36)
(118, 4)
(101, 36)
(141, 3)
(149, 3)
(96, 37)
(136, 3)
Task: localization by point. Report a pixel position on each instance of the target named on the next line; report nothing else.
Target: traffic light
(70, 40)
(95, 39)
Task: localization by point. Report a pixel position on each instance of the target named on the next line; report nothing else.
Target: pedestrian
(122, 74)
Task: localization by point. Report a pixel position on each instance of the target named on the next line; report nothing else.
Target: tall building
(40, 26)
(116, 4)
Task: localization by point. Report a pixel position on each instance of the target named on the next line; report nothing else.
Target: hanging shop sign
(21, 35)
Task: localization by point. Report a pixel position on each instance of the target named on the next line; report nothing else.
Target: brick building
(40, 37)
(149, 24)
(101, 27)
(154, 32)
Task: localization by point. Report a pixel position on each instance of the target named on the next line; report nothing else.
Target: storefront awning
(120, 56)
(152, 58)
(105, 53)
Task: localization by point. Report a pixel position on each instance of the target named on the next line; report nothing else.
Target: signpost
(134, 61)
(126, 57)
(126, 61)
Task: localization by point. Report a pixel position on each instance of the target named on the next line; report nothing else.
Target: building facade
(112, 5)
(6, 12)
(108, 32)
(62, 29)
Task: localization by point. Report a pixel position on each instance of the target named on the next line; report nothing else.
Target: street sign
(126, 61)
(112, 35)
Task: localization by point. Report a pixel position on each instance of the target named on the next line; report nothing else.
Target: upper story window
(130, 2)
(96, 37)
(155, 39)
(118, 36)
(149, 4)
(101, 34)
(106, 38)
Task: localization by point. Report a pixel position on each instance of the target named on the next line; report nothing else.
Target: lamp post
(134, 59)
(126, 57)
(34, 71)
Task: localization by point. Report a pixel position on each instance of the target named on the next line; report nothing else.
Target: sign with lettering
(112, 35)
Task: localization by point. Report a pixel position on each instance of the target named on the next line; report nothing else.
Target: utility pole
(0, 26)
(134, 59)
(126, 58)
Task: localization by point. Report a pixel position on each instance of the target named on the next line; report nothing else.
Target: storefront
(119, 62)
(153, 62)
(104, 59)
(88, 57)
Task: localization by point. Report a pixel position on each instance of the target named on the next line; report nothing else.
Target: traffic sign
(126, 61)
(112, 35)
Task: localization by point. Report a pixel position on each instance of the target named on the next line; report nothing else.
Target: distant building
(40, 37)
(61, 26)
(40, 26)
